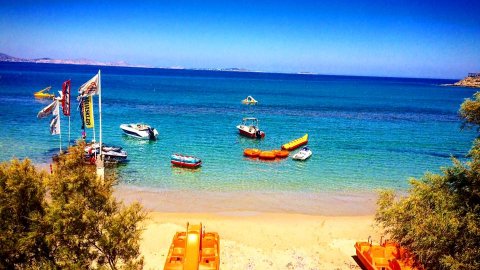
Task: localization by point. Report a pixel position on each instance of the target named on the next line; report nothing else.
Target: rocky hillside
(469, 81)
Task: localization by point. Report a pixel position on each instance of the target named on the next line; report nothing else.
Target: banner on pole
(88, 112)
(55, 122)
(47, 110)
(66, 97)
(89, 88)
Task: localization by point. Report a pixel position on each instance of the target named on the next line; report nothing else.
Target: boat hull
(139, 134)
(250, 132)
(186, 164)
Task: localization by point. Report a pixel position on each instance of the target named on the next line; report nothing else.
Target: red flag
(66, 98)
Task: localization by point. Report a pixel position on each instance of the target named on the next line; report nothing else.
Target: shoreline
(265, 240)
(306, 203)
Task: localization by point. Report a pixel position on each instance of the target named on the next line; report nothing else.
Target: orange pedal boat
(386, 256)
(281, 153)
(194, 250)
(251, 152)
(267, 155)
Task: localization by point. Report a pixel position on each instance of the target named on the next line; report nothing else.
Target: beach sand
(260, 230)
(253, 240)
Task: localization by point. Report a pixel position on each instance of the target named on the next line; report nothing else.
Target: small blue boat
(185, 161)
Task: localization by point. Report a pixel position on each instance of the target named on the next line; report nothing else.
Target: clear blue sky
(439, 39)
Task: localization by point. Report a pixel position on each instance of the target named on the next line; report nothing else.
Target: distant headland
(472, 80)
(8, 58)
(11, 59)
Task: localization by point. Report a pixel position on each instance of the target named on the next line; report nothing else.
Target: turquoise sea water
(365, 132)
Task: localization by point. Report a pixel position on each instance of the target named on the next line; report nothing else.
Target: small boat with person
(111, 154)
(140, 131)
(185, 161)
(44, 93)
(249, 128)
(303, 154)
(249, 101)
(296, 143)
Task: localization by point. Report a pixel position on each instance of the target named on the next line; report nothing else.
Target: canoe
(296, 143)
(267, 155)
(387, 256)
(251, 152)
(194, 249)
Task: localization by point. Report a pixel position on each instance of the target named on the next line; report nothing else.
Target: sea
(366, 133)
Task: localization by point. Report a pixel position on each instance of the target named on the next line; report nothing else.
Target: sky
(429, 39)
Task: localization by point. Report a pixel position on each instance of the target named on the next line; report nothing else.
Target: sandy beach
(260, 230)
(253, 240)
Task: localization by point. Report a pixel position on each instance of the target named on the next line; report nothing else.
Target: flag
(47, 110)
(88, 112)
(66, 98)
(55, 122)
(89, 88)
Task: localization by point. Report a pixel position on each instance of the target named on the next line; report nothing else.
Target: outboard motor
(151, 135)
(258, 134)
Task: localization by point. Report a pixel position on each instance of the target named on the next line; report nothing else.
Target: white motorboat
(303, 154)
(140, 131)
(249, 128)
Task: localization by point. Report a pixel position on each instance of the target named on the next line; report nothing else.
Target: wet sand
(326, 204)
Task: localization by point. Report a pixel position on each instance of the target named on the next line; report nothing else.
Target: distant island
(8, 58)
(472, 80)
(11, 59)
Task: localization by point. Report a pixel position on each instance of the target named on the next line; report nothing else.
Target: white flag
(89, 88)
(55, 122)
(47, 110)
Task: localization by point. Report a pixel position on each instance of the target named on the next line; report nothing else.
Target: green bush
(67, 220)
(439, 218)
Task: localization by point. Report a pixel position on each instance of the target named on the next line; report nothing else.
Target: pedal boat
(251, 152)
(185, 161)
(194, 249)
(386, 256)
(44, 93)
(140, 131)
(296, 143)
(281, 153)
(267, 155)
(249, 128)
(249, 101)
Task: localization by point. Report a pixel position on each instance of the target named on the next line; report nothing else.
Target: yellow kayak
(296, 143)
(44, 93)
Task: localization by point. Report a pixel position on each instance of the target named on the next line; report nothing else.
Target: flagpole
(69, 131)
(100, 108)
(60, 128)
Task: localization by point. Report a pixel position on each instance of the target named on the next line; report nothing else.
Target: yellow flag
(88, 113)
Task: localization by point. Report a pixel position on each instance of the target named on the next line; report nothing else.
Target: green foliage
(470, 111)
(22, 207)
(439, 218)
(79, 223)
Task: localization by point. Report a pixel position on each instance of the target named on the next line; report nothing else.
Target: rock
(472, 80)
